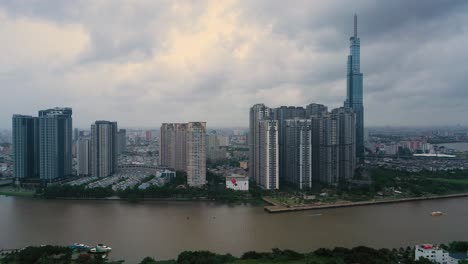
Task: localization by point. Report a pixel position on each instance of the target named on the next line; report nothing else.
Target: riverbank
(10, 191)
(360, 254)
(278, 208)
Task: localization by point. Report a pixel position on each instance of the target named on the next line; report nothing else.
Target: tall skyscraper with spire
(354, 98)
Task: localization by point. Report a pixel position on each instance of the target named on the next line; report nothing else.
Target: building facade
(172, 147)
(25, 135)
(84, 157)
(268, 163)
(55, 143)
(213, 150)
(354, 98)
(258, 112)
(346, 141)
(183, 148)
(237, 182)
(121, 141)
(196, 153)
(298, 152)
(103, 148)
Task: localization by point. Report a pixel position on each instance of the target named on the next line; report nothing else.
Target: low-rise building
(432, 253)
(237, 182)
(438, 255)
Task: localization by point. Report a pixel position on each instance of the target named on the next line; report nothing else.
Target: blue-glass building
(55, 143)
(354, 98)
(25, 146)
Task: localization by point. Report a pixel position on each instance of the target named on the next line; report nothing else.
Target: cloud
(147, 62)
(29, 43)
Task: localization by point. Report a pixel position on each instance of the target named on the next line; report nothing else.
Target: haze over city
(146, 62)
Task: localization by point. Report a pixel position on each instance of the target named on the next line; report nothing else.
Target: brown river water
(164, 229)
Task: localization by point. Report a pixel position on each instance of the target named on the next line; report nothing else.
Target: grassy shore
(12, 191)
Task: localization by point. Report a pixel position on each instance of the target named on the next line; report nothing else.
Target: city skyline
(121, 73)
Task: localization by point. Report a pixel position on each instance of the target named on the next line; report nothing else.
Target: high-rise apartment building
(55, 143)
(25, 134)
(76, 134)
(298, 152)
(147, 135)
(268, 162)
(213, 150)
(347, 141)
(173, 146)
(103, 148)
(183, 148)
(354, 98)
(84, 157)
(121, 141)
(328, 149)
(196, 153)
(258, 112)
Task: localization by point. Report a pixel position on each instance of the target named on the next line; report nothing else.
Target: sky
(142, 63)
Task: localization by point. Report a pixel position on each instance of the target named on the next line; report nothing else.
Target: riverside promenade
(275, 207)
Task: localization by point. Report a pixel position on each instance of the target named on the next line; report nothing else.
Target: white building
(237, 182)
(432, 253)
(437, 254)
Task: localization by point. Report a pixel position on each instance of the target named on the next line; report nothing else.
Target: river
(458, 146)
(164, 229)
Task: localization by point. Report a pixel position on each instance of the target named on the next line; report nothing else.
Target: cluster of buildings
(183, 148)
(301, 145)
(393, 148)
(43, 146)
(304, 145)
(417, 163)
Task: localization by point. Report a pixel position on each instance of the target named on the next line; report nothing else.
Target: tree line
(338, 255)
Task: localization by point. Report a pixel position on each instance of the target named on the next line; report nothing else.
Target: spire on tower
(355, 25)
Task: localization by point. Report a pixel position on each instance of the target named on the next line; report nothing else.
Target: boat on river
(79, 246)
(437, 213)
(100, 249)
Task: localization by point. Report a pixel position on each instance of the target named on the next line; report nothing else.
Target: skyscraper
(103, 148)
(213, 150)
(76, 134)
(258, 112)
(183, 148)
(354, 98)
(84, 157)
(172, 148)
(196, 153)
(328, 148)
(346, 141)
(25, 146)
(55, 143)
(298, 150)
(268, 148)
(121, 141)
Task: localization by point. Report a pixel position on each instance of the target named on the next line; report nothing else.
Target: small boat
(78, 246)
(103, 248)
(437, 213)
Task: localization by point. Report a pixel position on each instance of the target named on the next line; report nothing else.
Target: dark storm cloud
(146, 62)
